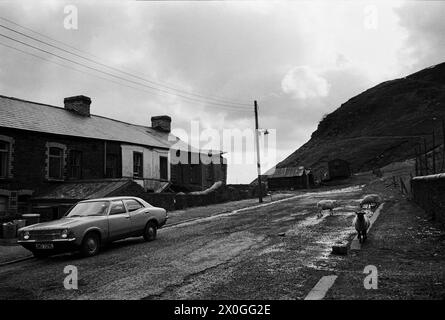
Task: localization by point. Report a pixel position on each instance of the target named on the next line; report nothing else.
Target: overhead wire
(124, 79)
(162, 86)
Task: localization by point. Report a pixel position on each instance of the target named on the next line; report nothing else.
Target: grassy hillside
(379, 126)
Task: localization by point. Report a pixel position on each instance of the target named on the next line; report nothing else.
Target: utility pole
(434, 152)
(417, 161)
(426, 156)
(257, 133)
(443, 145)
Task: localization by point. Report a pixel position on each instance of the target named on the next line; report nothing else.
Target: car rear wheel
(90, 245)
(150, 231)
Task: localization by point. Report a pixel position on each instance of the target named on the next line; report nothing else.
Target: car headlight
(25, 235)
(64, 233)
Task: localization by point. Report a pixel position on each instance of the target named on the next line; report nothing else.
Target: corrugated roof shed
(32, 116)
(81, 190)
(286, 172)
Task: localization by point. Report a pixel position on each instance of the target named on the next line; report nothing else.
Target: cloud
(425, 25)
(299, 59)
(303, 82)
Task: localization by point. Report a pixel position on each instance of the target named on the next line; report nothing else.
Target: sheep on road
(361, 223)
(323, 205)
(371, 201)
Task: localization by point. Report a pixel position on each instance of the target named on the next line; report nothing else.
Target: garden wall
(429, 193)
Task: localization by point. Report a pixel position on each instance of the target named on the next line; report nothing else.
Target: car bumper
(58, 245)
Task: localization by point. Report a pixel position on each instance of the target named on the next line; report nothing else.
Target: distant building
(289, 178)
(338, 169)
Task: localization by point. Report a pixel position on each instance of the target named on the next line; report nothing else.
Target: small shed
(339, 169)
(290, 178)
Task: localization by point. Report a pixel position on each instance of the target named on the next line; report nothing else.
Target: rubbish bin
(20, 223)
(31, 218)
(9, 230)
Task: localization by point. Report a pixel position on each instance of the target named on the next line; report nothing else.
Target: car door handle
(127, 217)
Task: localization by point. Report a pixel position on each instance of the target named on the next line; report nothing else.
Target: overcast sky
(299, 59)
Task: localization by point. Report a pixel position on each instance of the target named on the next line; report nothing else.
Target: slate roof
(287, 172)
(82, 190)
(26, 115)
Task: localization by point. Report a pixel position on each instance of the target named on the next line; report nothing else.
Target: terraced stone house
(53, 156)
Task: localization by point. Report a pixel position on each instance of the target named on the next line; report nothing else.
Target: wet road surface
(277, 251)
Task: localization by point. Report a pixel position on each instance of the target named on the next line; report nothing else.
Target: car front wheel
(90, 245)
(150, 231)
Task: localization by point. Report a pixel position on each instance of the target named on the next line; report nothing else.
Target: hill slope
(379, 126)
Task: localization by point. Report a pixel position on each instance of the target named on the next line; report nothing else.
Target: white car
(92, 223)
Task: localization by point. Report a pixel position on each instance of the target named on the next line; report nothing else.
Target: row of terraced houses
(50, 155)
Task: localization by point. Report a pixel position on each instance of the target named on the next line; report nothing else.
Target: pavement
(11, 252)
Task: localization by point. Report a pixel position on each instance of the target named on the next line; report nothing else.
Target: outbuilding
(338, 169)
(290, 178)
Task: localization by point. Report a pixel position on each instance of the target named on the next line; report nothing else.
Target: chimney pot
(161, 123)
(78, 104)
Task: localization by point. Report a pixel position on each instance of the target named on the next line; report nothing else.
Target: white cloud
(303, 82)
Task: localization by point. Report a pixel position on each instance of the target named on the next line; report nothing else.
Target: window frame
(62, 147)
(8, 155)
(138, 175)
(4, 158)
(127, 207)
(163, 158)
(112, 166)
(72, 164)
(116, 213)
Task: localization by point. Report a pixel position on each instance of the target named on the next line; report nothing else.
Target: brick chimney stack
(78, 104)
(161, 123)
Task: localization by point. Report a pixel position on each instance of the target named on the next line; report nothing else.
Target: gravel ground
(408, 249)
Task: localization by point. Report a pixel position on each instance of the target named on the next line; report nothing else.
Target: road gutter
(355, 244)
(16, 260)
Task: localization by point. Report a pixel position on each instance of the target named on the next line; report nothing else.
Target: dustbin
(9, 230)
(31, 218)
(20, 223)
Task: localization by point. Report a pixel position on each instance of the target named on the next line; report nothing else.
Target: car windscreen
(85, 209)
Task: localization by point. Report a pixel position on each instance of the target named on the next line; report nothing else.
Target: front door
(119, 221)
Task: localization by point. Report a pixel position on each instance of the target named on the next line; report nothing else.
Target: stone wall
(429, 193)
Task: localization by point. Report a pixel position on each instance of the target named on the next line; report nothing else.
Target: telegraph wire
(219, 100)
(121, 78)
(99, 77)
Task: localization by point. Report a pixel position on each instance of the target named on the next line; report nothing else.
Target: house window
(55, 163)
(3, 204)
(75, 164)
(163, 165)
(111, 168)
(4, 159)
(138, 165)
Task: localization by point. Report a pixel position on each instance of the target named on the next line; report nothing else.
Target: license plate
(44, 246)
